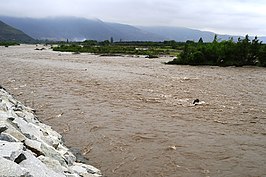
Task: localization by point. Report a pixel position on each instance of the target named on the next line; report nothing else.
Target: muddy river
(132, 116)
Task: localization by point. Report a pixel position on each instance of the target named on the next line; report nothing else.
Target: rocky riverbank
(30, 148)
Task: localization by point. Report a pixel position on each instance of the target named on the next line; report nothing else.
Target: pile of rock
(30, 148)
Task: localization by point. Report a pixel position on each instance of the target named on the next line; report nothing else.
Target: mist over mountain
(76, 29)
(79, 29)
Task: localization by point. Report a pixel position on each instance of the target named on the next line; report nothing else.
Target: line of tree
(126, 47)
(224, 53)
(8, 43)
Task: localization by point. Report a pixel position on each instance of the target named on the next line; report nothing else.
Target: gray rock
(70, 158)
(31, 130)
(50, 136)
(90, 175)
(50, 151)
(7, 137)
(78, 169)
(71, 175)
(34, 146)
(28, 116)
(30, 148)
(39, 148)
(6, 104)
(53, 164)
(36, 167)
(81, 169)
(13, 131)
(3, 128)
(10, 150)
(3, 114)
(91, 169)
(9, 168)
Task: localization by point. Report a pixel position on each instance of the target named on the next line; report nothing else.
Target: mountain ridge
(192, 34)
(78, 29)
(9, 33)
(62, 28)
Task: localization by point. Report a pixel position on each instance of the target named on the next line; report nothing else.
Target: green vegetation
(225, 53)
(151, 49)
(6, 43)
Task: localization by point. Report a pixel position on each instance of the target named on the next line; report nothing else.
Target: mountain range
(79, 29)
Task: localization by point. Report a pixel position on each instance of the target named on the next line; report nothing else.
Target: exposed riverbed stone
(10, 150)
(9, 168)
(30, 148)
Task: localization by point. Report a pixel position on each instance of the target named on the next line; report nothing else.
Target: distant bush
(225, 53)
(107, 48)
(7, 43)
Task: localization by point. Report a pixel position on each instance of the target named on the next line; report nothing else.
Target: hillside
(183, 34)
(77, 29)
(8, 33)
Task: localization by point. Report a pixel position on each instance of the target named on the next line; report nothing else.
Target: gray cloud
(223, 16)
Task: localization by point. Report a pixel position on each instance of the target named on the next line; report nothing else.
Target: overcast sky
(238, 17)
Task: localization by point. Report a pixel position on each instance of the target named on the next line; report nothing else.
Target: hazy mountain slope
(8, 33)
(59, 28)
(262, 38)
(183, 34)
(136, 33)
(72, 28)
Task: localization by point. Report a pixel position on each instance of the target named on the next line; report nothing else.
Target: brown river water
(132, 116)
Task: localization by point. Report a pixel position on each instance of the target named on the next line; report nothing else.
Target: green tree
(215, 39)
(197, 58)
(262, 56)
(104, 43)
(112, 40)
(254, 50)
(225, 53)
(200, 41)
